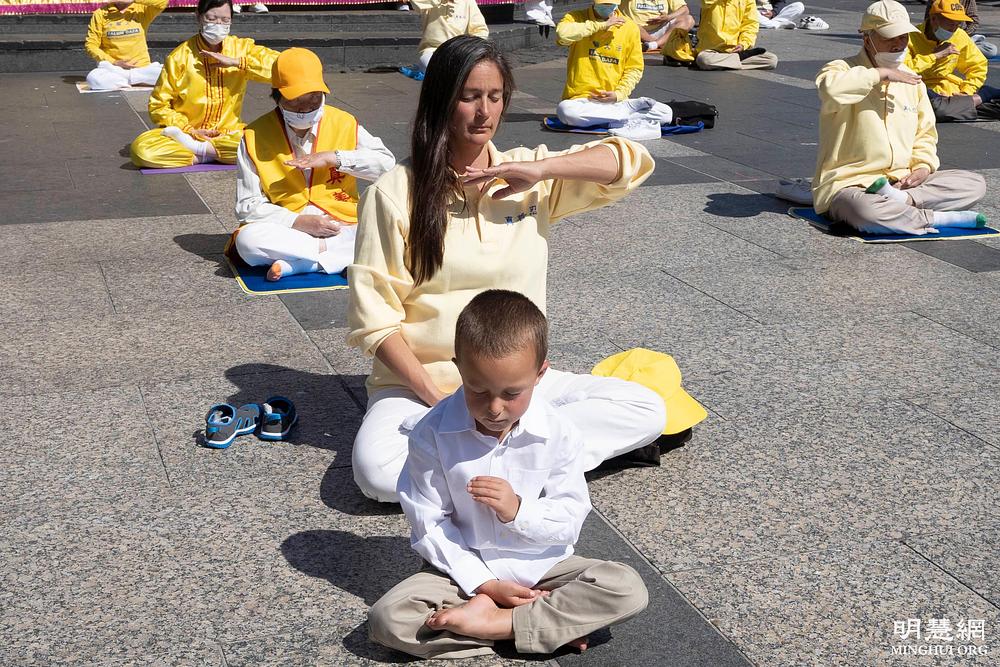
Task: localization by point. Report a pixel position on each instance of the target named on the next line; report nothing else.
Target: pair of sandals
(275, 418)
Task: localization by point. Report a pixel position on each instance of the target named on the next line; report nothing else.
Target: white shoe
(258, 8)
(237, 9)
(404, 7)
(798, 191)
(813, 23)
(637, 128)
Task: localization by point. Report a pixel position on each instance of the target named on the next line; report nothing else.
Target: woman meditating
(116, 39)
(459, 218)
(196, 104)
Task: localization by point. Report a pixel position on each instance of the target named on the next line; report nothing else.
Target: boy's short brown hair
(497, 323)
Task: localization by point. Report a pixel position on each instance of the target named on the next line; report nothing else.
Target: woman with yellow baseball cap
(297, 191)
(952, 66)
(198, 98)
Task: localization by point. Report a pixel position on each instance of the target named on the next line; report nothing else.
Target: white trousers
(613, 415)
(581, 112)
(424, 59)
(263, 243)
(787, 15)
(107, 76)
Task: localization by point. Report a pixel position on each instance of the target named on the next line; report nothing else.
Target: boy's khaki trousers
(587, 595)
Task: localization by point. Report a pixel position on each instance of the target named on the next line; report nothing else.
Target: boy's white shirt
(540, 457)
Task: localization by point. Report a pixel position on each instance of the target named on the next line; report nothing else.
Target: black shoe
(673, 62)
(750, 53)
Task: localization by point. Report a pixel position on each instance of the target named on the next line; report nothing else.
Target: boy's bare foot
(580, 643)
(480, 617)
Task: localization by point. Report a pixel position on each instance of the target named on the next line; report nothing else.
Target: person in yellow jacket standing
(297, 191)
(663, 25)
(444, 19)
(877, 164)
(727, 34)
(952, 66)
(196, 104)
(603, 68)
(116, 39)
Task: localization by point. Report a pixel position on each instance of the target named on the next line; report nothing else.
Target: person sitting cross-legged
(952, 66)
(877, 163)
(296, 191)
(116, 39)
(727, 33)
(198, 98)
(494, 491)
(603, 67)
(664, 25)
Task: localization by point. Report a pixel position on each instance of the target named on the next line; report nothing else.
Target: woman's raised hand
(519, 176)
(225, 61)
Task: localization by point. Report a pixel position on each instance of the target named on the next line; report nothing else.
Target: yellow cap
(951, 9)
(616, 3)
(888, 18)
(296, 72)
(659, 372)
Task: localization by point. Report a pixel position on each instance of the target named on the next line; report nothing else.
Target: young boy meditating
(495, 495)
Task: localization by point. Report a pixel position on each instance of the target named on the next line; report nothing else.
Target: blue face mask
(605, 10)
(942, 34)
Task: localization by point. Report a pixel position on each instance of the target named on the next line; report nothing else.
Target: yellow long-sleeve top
(960, 74)
(644, 11)
(599, 59)
(115, 35)
(869, 128)
(489, 243)
(194, 92)
(725, 24)
(444, 19)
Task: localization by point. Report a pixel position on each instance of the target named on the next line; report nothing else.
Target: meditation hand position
(116, 39)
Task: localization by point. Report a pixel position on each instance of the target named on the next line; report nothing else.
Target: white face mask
(213, 33)
(304, 121)
(890, 59)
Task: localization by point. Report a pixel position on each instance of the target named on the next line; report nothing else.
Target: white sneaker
(637, 128)
(798, 191)
(813, 23)
(258, 8)
(237, 9)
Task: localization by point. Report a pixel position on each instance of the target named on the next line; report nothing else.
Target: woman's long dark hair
(433, 180)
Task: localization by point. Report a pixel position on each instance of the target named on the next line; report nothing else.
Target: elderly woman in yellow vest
(196, 104)
(952, 66)
(116, 39)
(877, 164)
(297, 191)
(663, 25)
(727, 34)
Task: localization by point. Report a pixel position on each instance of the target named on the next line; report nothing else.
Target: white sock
(964, 219)
(888, 191)
(652, 45)
(203, 151)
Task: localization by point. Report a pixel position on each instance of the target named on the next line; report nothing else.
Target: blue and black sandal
(224, 422)
(278, 417)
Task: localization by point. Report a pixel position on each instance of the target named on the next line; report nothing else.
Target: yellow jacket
(599, 59)
(644, 11)
(444, 19)
(489, 243)
(196, 93)
(725, 24)
(869, 128)
(328, 189)
(121, 35)
(961, 74)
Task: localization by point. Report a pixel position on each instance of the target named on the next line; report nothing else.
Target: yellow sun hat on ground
(659, 372)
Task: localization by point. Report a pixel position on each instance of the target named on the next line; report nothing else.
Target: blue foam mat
(253, 279)
(556, 125)
(828, 226)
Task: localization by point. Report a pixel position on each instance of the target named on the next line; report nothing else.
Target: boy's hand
(497, 494)
(510, 594)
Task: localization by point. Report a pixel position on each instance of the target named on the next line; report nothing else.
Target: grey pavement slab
(969, 255)
(973, 411)
(54, 292)
(971, 556)
(835, 608)
(318, 310)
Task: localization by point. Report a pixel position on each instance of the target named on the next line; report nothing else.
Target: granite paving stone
(971, 555)
(835, 607)
(47, 292)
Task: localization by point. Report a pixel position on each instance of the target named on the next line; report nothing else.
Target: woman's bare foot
(274, 273)
(580, 643)
(479, 618)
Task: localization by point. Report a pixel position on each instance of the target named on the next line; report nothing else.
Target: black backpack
(690, 112)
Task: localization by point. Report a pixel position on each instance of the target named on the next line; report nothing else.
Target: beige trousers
(948, 190)
(587, 595)
(719, 60)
